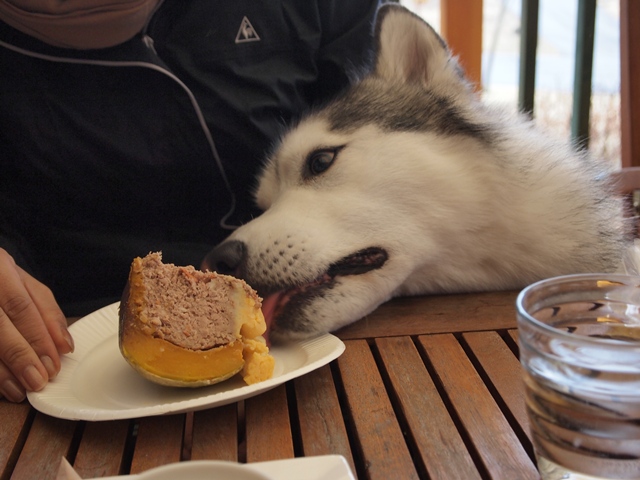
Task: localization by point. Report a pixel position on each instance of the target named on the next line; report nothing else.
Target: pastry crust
(186, 328)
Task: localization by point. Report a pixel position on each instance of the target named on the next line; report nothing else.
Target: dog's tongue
(269, 307)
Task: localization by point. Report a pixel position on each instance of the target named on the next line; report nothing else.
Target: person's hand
(33, 332)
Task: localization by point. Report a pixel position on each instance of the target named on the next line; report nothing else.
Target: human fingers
(50, 312)
(20, 361)
(26, 348)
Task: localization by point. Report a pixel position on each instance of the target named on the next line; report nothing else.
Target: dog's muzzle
(228, 258)
(286, 301)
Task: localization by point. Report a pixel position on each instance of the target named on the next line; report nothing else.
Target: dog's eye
(319, 161)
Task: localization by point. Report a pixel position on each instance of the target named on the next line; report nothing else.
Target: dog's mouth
(358, 263)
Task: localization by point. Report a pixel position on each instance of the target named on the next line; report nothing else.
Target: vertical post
(630, 82)
(528, 52)
(461, 27)
(583, 71)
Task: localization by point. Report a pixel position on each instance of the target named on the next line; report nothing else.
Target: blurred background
(554, 66)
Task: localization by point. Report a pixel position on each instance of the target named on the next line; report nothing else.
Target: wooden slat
(322, 427)
(13, 433)
(215, 434)
(504, 370)
(440, 446)
(424, 315)
(159, 442)
(101, 449)
(630, 82)
(461, 27)
(268, 429)
(48, 441)
(497, 445)
(627, 180)
(383, 450)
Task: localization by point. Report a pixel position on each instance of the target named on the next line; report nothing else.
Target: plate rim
(42, 400)
(285, 468)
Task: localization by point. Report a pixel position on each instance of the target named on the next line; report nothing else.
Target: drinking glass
(579, 339)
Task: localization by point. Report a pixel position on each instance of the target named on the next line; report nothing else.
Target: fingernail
(49, 365)
(69, 339)
(12, 391)
(34, 379)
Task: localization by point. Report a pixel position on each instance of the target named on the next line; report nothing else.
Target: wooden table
(428, 387)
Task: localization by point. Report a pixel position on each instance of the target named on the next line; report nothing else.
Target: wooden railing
(461, 25)
(630, 83)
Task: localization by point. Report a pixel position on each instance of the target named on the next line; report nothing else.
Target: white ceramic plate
(322, 467)
(96, 383)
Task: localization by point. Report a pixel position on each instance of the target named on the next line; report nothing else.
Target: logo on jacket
(247, 33)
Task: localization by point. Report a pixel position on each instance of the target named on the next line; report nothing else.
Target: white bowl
(203, 470)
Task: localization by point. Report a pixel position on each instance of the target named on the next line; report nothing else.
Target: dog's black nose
(225, 258)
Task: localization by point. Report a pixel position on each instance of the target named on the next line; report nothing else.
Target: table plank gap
(16, 422)
(437, 445)
(159, 441)
(380, 441)
(187, 436)
(129, 447)
(497, 445)
(215, 434)
(502, 374)
(268, 437)
(321, 425)
(513, 335)
(294, 420)
(49, 440)
(352, 436)
(102, 448)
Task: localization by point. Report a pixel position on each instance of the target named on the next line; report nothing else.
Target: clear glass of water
(579, 339)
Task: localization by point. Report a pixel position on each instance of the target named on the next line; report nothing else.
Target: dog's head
(342, 192)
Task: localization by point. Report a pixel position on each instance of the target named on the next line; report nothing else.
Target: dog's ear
(410, 51)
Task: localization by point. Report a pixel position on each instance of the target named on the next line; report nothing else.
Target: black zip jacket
(155, 144)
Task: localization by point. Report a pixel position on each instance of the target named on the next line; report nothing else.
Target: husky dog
(406, 184)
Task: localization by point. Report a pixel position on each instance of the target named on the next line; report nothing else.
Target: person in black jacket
(141, 128)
